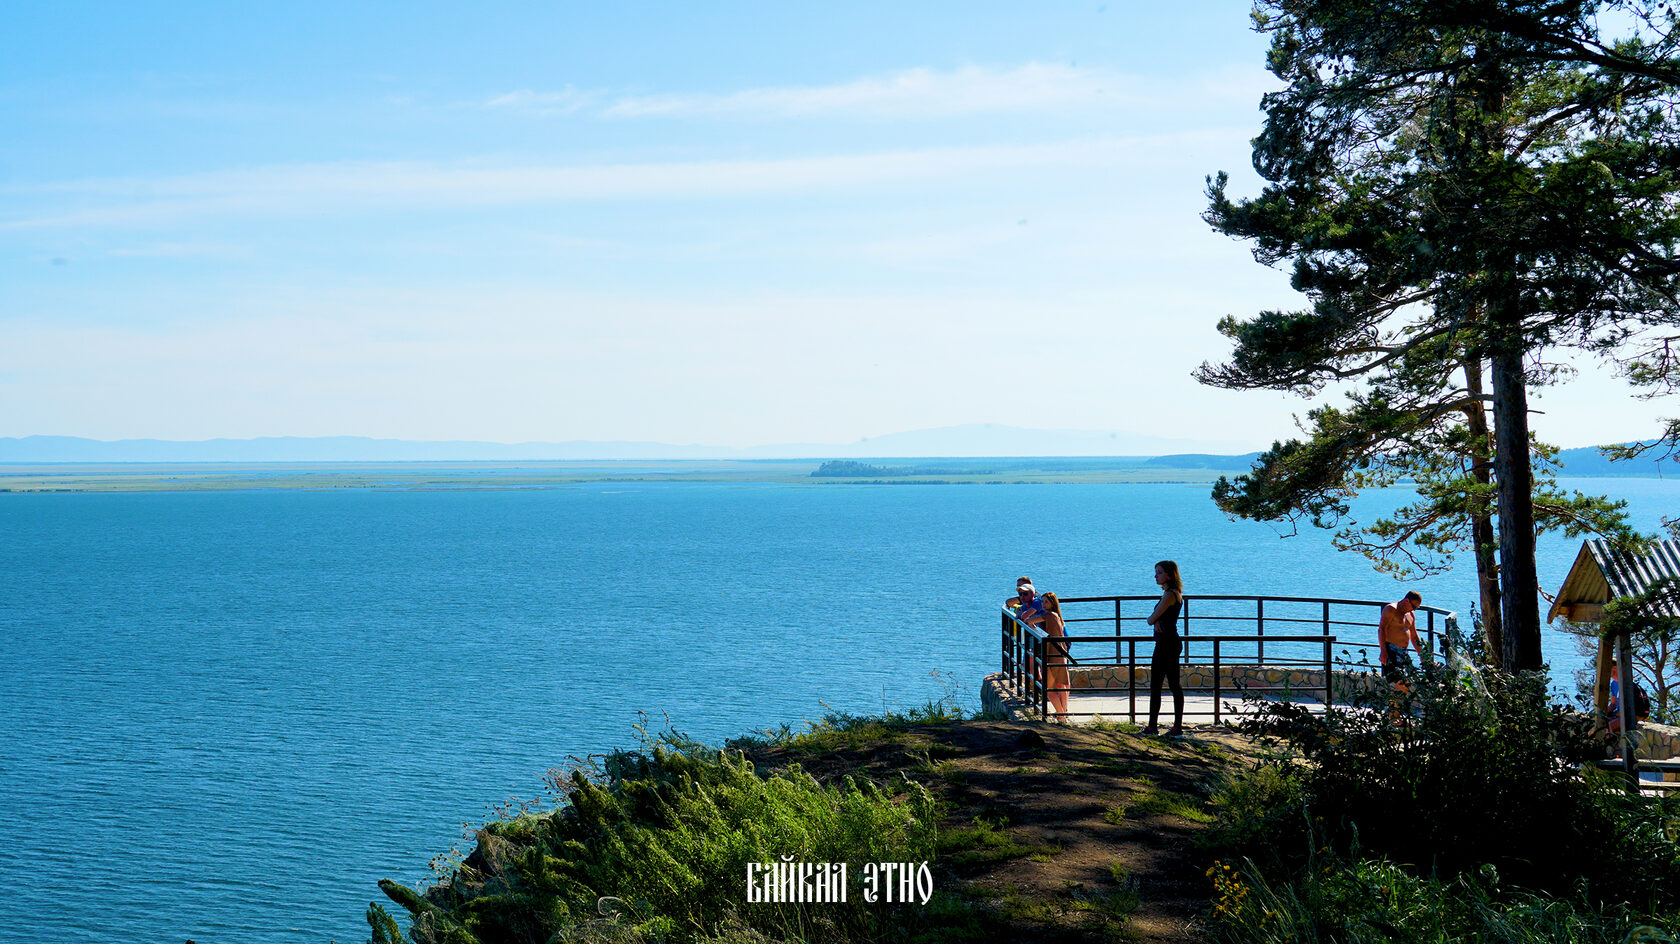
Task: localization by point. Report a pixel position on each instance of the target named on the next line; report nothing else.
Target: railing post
(1014, 658)
(1260, 629)
(1015, 649)
(1326, 617)
(1117, 632)
(1005, 654)
(1042, 676)
(1216, 680)
(1131, 676)
(1329, 683)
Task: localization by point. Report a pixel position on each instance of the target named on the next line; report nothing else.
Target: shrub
(656, 848)
(1260, 814)
(1370, 901)
(1453, 776)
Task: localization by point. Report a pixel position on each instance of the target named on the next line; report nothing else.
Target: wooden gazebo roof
(1602, 573)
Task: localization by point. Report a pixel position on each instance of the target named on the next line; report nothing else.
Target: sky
(728, 224)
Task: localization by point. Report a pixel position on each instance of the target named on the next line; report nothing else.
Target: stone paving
(1084, 707)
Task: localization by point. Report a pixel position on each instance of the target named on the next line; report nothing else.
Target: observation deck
(1312, 650)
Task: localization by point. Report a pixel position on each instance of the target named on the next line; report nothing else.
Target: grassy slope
(1057, 832)
(1045, 832)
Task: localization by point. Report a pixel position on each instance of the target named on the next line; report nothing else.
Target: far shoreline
(493, 475)
(17, 478)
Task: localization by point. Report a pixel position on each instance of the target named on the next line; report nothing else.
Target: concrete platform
(1085, 707)
(1115, 705)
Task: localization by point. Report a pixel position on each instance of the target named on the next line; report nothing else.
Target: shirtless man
(1396, 630)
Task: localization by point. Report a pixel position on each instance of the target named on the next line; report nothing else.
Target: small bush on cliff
(1369, 901)
(1457, 774)
(1456, 812)
(656, 848)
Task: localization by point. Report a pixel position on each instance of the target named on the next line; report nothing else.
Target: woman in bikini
(1055, 655)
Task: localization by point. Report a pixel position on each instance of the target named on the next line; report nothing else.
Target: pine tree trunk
(1519, 585)
(1481, 524)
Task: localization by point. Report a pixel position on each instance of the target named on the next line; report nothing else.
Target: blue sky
(726, 224)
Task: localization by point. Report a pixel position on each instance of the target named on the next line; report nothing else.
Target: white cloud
(563, 102)
(307, 189)
(179, 251)
(919, 93)
(912, 93)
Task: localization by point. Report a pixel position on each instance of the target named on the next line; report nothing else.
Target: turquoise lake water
(229, 714)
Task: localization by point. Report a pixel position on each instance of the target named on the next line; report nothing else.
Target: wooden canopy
(1602, 573)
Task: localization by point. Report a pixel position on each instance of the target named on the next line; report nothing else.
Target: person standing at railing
(1055, 654)
(1397, 629)
(1029, 609)
(1163, 665)
(1018, 600)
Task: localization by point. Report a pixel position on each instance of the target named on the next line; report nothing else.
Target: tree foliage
(1349, 451)
(1464, 190)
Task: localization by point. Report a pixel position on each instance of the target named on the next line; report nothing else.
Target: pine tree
(1465, 189)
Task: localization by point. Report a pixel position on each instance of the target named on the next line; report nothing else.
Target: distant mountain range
(955, 441)
(952, 441)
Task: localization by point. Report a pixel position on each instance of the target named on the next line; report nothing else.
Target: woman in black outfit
(1164, 665)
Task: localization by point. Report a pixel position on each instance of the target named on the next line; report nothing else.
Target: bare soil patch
(1066, 833)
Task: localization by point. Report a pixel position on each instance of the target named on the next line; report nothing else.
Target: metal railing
(1025, 648)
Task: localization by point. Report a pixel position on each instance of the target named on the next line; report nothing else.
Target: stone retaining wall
(1656, 741)
(998, 699)
(1232, 678)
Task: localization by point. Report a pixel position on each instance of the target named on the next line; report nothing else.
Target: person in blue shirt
(1641, 705)
(1030, 609)
(1015, 601)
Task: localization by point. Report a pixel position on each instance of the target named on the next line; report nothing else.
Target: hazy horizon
(965, 442)
(733, 225)
(974, 441)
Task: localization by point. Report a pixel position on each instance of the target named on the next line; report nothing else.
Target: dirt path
(1069, 833)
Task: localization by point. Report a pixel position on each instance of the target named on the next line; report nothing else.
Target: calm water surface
(229, 714)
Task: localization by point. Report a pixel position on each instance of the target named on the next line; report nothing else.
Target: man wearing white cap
(1028, 606)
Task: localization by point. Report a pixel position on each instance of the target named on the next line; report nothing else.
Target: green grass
(1167, 803)
(1099, 723)
(1152, 800)
(984, 842)
(845, 731)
